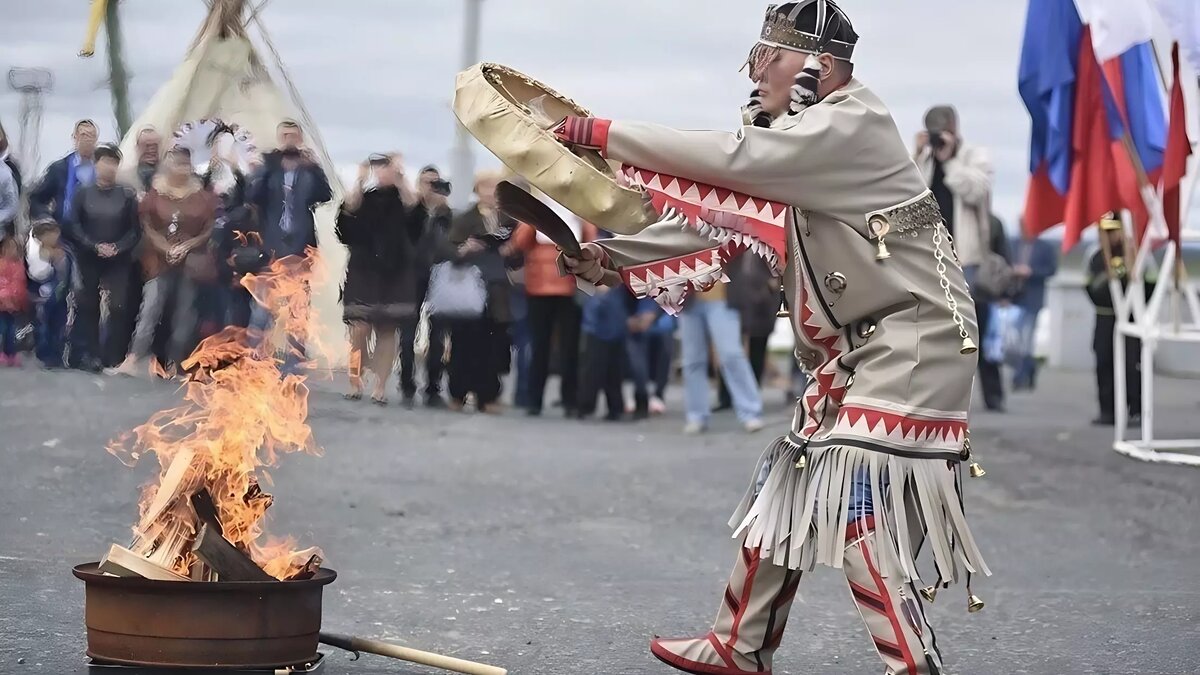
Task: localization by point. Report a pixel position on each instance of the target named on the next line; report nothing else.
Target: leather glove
(584, 132)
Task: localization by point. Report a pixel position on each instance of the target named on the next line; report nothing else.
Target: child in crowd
(51, 273)
(606, 318)
(14, 298)
(650, 344)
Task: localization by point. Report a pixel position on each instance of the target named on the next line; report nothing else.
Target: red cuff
(600, 135)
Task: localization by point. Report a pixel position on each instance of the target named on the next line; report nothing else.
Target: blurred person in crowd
(553, 310)
(754, 292)
(53, 195)
(224, 302)
(709, 316)
(149, 153)
(285, 190)
(8, 160)
(480, 347)
(51, 269)
(14, 297)
(103, 230)
(960, 176)
(649, 347)
(381, 285)
(1036, 261)
(10, 188)
(177, 222)
(429, 229)
(1101, 268)
(607, 317)
(991, 379)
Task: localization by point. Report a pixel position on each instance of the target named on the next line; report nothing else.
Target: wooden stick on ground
(357, 644)
(225, 559)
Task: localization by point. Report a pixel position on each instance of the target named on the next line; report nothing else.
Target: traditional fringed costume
(871, 469)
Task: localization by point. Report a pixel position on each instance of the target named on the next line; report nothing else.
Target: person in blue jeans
(648, 350)
(708, 316)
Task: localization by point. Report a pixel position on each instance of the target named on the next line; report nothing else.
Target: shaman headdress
(811, 27)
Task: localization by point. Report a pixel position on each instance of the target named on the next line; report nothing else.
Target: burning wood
(204, 513)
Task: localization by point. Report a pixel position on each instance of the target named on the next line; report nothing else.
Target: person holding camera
(429, 230)
(380, 288)
(960, 176)
(285, 191)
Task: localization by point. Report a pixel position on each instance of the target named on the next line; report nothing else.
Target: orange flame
(239, 417)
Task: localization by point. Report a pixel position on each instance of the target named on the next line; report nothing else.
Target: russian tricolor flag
(1087, 77)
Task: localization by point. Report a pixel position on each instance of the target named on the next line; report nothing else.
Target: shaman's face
(780, 76)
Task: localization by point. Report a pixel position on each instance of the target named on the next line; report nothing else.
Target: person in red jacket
(14, 297)
(552, 308)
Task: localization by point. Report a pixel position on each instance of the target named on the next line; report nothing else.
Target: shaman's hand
(591, 266)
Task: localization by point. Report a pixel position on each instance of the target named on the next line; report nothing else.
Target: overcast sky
(380, 76)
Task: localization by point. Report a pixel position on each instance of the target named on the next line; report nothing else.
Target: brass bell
(977, 470)
(968, 346)
(802, 462)
(882, 252)
(929, 593)
(974, 603)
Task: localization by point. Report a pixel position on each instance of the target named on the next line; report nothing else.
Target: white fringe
(799, 517)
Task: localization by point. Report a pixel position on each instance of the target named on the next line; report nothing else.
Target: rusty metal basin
(223, 624)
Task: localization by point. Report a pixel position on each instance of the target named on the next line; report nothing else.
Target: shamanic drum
(512, 115)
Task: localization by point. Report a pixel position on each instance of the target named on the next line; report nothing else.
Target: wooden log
(172, 483)
(121, 562)
(309, 570)
(225, 559)
(206, 510)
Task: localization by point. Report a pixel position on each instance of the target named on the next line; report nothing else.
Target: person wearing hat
(103, 229)
(819, 183)
(1110, 262)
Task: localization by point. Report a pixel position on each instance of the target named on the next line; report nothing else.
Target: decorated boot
(749, 623)
(890, 608)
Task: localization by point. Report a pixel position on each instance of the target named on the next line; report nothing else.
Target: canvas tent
(223, 76)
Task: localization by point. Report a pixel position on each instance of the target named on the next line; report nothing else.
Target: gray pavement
(554, 547)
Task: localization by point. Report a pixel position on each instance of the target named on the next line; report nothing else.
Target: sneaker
(657, 407)
(434, 401)
(753, 425)
(693, 428)
(6, 361)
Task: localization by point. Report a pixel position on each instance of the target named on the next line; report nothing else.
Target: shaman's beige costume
(871, 469)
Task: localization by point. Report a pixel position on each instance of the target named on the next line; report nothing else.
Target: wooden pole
(357, 644)
(118, 77)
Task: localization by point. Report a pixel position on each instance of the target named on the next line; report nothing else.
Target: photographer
(284, 191)
(429, 230)
(380, 288)
(960, 177)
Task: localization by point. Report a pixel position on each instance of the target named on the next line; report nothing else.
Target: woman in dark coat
(381, 286)
(480, 347)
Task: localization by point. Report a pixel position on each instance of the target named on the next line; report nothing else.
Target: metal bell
(802, 462)
(929, 593)
(974, 603)
(977, 470)
(882, 252)
(968, 346)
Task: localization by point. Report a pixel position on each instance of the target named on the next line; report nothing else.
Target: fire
(240, 415)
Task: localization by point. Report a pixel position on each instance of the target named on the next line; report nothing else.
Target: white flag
(1183, 19)
(1117, 25)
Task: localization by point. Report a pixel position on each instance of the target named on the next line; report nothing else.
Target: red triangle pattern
(942, 430)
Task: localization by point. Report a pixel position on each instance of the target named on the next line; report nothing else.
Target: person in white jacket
(960, 176)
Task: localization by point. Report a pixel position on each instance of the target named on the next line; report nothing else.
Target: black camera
(935, 139)
(440, 187)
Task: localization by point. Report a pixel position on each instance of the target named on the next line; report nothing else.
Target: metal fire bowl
(224, 624)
